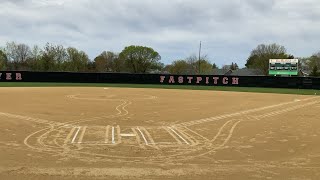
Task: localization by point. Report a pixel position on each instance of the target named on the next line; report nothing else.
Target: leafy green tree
(53, 57)
(109, 61)
(179, 67)
(3, 60)
(303, 63)
(91, 66)
(76, 61)
(214, 66)
(118, 65)
(191, 66)
(315, 71)
(139, 59)
(100, 63)
(252, 61)
(205, 66)
(260, 56)
(157, 67)
(35, 58)
(166, 68)
(313, 61)
(192, 61)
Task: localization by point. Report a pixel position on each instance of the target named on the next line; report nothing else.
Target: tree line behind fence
(137, 59)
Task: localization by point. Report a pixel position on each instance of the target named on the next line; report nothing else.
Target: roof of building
(238, 72)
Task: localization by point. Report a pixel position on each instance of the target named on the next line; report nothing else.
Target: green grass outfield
(214, 88)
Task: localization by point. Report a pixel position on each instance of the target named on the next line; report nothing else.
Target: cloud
(229, 29)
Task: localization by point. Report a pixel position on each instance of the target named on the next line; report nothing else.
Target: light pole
(199, 56)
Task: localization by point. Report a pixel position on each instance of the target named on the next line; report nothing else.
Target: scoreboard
(287, 67)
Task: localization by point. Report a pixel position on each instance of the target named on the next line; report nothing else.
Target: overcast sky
(228, 29)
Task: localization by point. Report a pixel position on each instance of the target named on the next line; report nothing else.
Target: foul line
(178, 135)
(215, 118)
(75, 136)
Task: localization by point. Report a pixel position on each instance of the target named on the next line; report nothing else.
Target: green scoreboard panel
(286, 67)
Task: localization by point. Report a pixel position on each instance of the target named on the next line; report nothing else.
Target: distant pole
(199, 56)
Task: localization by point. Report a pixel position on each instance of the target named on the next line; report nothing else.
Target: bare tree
(226, 67)
(205, 65)
(18, 52)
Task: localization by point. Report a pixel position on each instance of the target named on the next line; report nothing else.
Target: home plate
(297, 100)
(105, 88)
(128, 135)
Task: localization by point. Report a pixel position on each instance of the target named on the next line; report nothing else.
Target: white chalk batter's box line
(112, 135)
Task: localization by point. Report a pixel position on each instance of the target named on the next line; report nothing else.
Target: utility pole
(199, 56)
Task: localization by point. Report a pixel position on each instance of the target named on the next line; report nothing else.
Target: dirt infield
(123, 133)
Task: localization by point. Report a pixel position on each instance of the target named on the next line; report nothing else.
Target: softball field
(129, 133)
